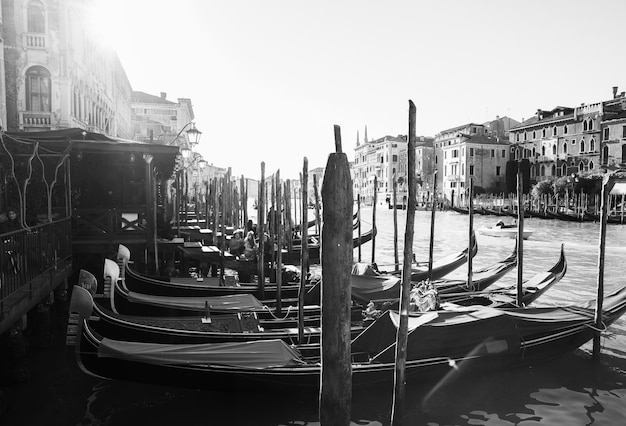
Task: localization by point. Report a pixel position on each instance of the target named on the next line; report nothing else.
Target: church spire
(365, 137)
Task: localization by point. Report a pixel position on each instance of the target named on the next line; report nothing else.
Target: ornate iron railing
(29, 253)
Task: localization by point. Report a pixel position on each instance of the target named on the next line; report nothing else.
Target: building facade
(378, 160)
(57, 73)
(157, 119)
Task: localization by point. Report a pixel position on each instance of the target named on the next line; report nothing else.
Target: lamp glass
(194, 134)
(186, 152)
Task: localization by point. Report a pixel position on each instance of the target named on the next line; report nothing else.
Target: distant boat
(506, 231)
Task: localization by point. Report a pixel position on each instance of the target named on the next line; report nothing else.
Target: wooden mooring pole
(607, 185)
(358, 223)
(374, 219)
(397, 409)
(279, 245)
(261, 232)
(304, 249)
(520, 233)
(395, 224)
(470, 192)
(336, 258)
(432, 228)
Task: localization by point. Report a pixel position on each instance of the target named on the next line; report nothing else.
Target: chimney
(614, 92)
(163, 95)
(539, 116)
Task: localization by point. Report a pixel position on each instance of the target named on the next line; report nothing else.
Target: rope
(268, 309)
(594, 328)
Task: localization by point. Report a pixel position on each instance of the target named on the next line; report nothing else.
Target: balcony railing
(28, 254)
(35, 119)
(34, 41)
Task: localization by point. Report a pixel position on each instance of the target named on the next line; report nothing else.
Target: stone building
(157, 119)
(380, 159)
(57, 73)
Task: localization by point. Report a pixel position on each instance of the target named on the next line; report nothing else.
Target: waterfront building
(57, 73)
(158, 120)
(571, 140)
(380, 159)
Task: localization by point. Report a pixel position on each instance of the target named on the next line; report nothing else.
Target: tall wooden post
(402, 336)
(279, 245)
(358, 218)
(304, 250)
(289, 217)
(318, 221)
(261, 227)
(374, 219)
(520, 234)
(395, 224)
(607, 185)
(470, 246)
(336, 376)
(432, 228)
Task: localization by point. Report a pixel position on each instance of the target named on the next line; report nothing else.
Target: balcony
(35, 119)
(35, 41)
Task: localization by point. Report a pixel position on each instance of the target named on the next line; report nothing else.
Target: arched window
(592, 145)
(36, 18)
(532, 171)
(591, 165)
(554, 149)
(590, 125)
(554, 131)
(543, 133)
(565, 147)
(585, 128)
(534, 152)
(605, 155)
(565, 129)
(581, 166)
(543, 150)
(564, 169)
(534, 134)
(553, 170)
(582, 146)
(37, 89)
(543, 170)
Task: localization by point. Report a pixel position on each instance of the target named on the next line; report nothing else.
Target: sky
(269, 79)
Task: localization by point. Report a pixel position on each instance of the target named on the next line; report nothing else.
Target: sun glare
(108, 20)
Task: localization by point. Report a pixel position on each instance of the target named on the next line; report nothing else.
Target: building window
(517, 137)
(591, 165)
(525, 136)
(471, 170)
(582, 146)
(534, 134)
(532, 171)
(394, 158)
(592, 145)
(581, 167)
(554, 149)
(554, 131)
(543, 133)
(471, 152)
(504, 153)
(565, 147)
(553, 170)
(624, 132)
(493, 153)
(36, 18)
(497, 170)
(606, 134)
(564, 169)
(543, 150)
(37, 89)
(565, 129)
(543, 170)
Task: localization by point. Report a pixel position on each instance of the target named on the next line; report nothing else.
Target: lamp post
(193, 138)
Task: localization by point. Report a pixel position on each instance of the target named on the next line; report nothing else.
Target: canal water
(571, 391)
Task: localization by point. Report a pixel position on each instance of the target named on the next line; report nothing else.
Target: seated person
(250, 247)
(237, 244)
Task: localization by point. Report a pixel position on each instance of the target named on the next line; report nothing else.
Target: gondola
(232, 327)
(438, 344)
(456, 293)
(441, 268)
